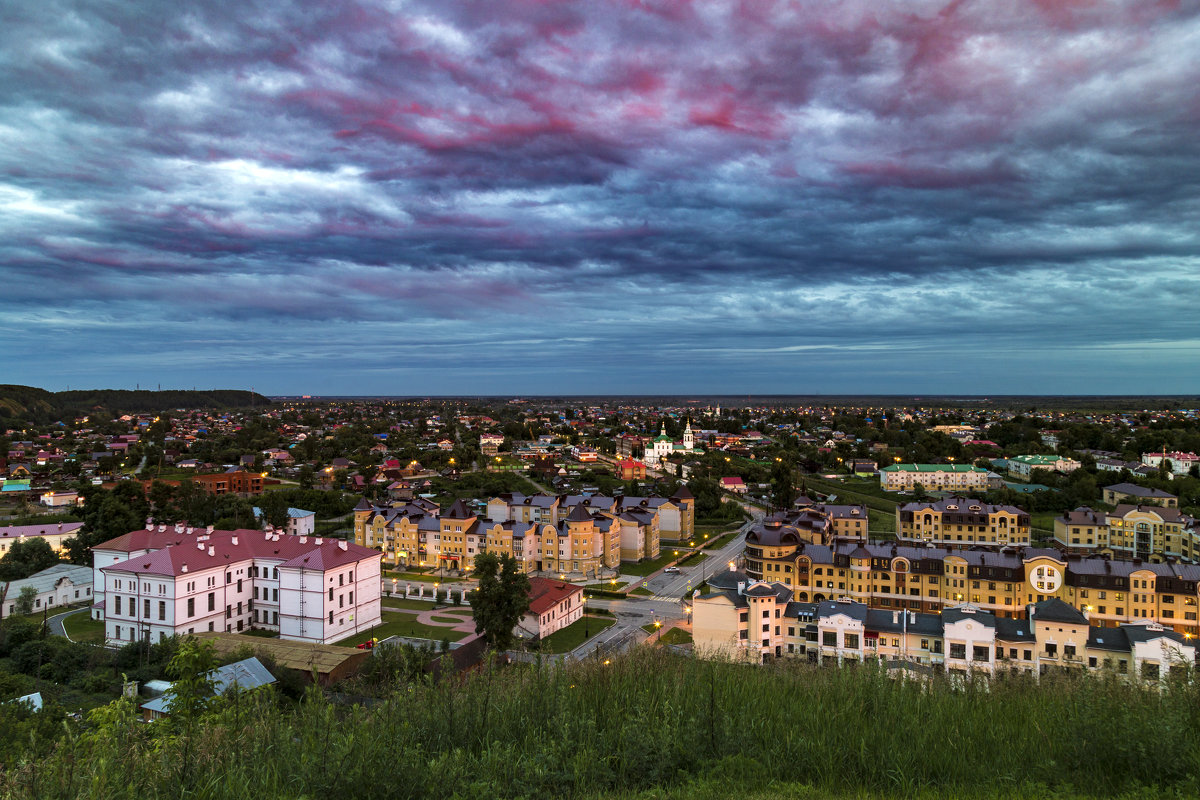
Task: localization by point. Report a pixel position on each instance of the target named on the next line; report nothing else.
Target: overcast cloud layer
(582, 197)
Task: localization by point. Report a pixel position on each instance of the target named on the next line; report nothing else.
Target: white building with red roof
(176, 580)
(553, 605)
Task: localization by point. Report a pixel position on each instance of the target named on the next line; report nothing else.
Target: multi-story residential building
(54, 534)
(758, 622)
(1152, 533)
(489, 443)
(587, 539)
(1138, 495)
(962, 522)
(234, 481)
(1180, 463)
(676, 514)
(1025, 465)
(934, 477)
(168, 581)
(1002, 581)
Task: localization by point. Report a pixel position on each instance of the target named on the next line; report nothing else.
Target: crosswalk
(665, 598)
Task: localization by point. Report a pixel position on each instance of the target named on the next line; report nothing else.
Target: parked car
(671, 570)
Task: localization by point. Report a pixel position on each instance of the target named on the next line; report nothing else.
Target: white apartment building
(175, 580)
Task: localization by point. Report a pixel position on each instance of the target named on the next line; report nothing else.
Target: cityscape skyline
(648, 198)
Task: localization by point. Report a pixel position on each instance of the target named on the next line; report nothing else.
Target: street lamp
(436, 592)
(585, 618)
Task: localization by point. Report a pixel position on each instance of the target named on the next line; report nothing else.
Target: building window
(146, 609)
(829, 638)
(851, 641)
(958, 650)
(979, 653)
(191, 607)
(162, 610)
(212, 601)
(330, 617)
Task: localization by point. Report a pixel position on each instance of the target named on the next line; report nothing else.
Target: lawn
(882, 508)
(648, 567)
(693, 558)
(420, 577)
(406, 602)
(717, 544)
(82, 628)
(675, 636)
(570, 637)
(642, 592)
(398, 623)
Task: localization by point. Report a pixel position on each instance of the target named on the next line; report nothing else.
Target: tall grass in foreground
(649, 720)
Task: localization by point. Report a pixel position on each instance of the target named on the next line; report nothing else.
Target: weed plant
(644, 724)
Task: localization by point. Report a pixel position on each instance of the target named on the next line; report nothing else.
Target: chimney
(183, 568)
(741, 587)
(895, 617)
(162, 528)
(235, 541)
(912, 618)
(342, 545)
(303, 540)
(211, 550)
(318, 541)
(199, 545)
(209, 529)
(190, 530)
(60, 526)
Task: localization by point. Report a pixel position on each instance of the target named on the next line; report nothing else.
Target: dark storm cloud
(789, 196)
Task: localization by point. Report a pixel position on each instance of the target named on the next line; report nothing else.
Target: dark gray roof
(727, 579)
(1142, 632)
(1055, 610)
(1109, 639)
(856, 611)
(1137, 491)
(884, 621)
(1013, 630)
(967, 612)
(578, 514)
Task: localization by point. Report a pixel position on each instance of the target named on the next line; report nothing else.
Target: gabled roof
(545, 593)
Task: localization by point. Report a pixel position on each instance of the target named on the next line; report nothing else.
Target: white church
(662, 446)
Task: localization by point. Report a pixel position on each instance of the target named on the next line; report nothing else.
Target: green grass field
(570, 637)
(676, 636)
(397, 623)
(82, 628)
(643, 568)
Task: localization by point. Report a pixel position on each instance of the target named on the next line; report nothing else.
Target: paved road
(671, 588)
(55, 624)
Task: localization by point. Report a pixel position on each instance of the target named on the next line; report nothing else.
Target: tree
(274, 508)
(500, 600)
(24, 558)
(783, 487)
(24, 601)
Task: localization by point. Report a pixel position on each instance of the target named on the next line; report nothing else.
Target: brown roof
(544, 593)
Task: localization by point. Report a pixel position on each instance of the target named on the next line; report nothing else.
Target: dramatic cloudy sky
(578, 197)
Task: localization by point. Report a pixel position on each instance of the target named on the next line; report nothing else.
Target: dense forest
(21, 406)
